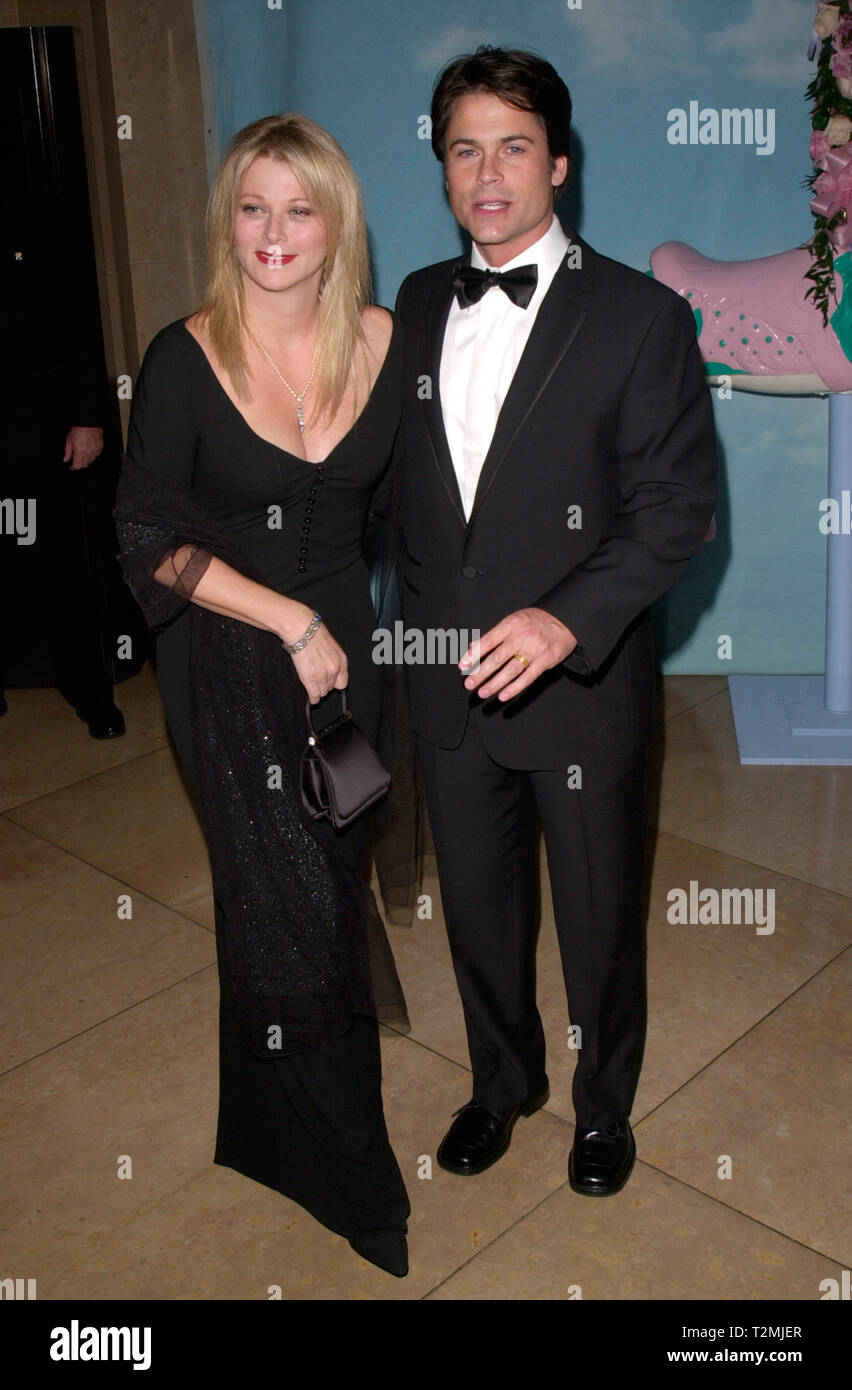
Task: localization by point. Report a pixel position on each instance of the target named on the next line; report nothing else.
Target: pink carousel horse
(754, 323)
(759, 333)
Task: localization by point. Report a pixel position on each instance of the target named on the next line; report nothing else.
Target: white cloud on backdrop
(770, 42)
(800, 443)
(445, 43)
(767, 41)
(641, 40)
(636, 41)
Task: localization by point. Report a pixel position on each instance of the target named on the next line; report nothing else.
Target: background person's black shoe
(104, 721)
(601, 1160)
(478, 1137)
(4, 708)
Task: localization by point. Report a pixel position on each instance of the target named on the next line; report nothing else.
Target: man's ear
(559, 169)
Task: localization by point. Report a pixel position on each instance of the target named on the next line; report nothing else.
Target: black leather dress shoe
(104, 721)
(4, 708)
(601, 1160)
(478, 1137)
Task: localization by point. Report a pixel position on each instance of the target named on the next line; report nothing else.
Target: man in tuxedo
(559, 466)
(52, 404)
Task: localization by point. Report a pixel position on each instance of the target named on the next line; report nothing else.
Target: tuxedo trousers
(57, 570)
(484, 819)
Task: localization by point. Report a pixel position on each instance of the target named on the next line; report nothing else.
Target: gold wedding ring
(522, 659)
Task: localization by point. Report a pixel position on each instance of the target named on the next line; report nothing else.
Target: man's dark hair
(519, 78)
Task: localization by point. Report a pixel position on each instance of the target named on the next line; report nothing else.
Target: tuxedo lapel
(430, 345)
(556, 326)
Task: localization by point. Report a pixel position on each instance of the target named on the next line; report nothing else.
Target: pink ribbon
(838, 162)
(841, 237)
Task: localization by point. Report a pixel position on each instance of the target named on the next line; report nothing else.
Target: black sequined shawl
(306, 947)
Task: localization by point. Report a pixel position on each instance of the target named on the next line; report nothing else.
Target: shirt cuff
(577, 662)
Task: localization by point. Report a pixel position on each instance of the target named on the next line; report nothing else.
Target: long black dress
(310, 1125)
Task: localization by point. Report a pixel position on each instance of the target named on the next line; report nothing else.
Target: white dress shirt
(482, 348)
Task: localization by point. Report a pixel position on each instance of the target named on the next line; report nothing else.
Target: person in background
(52, 404)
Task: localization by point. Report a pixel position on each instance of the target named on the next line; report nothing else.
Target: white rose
(838, 130)
(827, 20)
(844, 85)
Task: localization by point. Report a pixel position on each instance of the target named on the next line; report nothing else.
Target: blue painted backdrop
(364, 69)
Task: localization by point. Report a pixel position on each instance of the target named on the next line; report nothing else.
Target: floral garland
(830, 148)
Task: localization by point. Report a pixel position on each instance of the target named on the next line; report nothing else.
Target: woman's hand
(321, 666)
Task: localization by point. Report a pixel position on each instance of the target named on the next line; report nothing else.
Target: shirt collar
(547, 253)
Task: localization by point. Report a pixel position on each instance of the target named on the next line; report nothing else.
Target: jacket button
(469, 572)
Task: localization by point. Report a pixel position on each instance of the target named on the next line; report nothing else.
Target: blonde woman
(261, 427)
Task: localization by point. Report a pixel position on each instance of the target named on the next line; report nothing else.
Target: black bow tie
(519, 284)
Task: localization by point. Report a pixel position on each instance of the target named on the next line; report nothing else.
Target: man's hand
(532, 633)
(83, 443)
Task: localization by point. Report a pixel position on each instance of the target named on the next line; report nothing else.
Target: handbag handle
(315, 734)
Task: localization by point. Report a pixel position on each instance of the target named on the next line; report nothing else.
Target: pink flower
(842, 32)
(819, 147)
(841, 63)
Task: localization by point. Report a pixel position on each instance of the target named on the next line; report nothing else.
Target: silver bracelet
(306, 637)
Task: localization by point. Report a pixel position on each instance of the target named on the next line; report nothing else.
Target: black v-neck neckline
(309, 463)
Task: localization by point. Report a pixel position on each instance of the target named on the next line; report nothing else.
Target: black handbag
(341, 772)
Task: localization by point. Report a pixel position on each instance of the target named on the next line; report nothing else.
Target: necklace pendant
(301, 419)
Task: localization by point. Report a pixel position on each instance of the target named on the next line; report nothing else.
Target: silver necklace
(298, 398)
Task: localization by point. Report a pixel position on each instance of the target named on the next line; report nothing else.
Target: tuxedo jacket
(608, 413)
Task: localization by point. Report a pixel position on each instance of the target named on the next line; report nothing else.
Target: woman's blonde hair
(328, 179)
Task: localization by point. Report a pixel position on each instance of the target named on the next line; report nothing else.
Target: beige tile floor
(109, 1049)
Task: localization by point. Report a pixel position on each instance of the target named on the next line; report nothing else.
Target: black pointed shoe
(601, 1160)
(104, 721)
(387, 1249)
(478, 1137)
